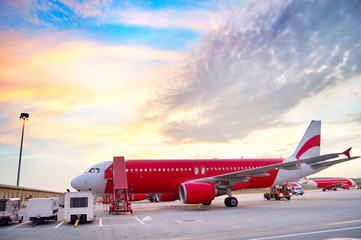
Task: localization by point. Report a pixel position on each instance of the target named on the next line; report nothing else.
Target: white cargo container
(40, 209)
(79, 205)
(9, 211)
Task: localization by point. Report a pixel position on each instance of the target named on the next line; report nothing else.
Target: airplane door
(203, 170)
(196, 170)
(108, 170)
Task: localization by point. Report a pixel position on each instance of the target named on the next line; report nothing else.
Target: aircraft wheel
(207, 203)
(157, 197)
(231, 202)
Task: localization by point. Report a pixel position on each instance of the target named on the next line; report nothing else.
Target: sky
(174, 79)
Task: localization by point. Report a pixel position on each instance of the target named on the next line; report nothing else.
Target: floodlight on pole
(23, 116)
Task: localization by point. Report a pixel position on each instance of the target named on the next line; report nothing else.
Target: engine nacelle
(167, 197)
(194, 192)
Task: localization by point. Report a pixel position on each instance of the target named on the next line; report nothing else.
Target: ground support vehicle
(9, 211)
(279, 192)
(296, 188)
(42, 209)
(79, 207)
(298, 191)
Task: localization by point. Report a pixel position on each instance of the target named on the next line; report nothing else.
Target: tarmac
(315, 215)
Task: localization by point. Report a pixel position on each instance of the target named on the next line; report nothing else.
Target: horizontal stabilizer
(330, 163)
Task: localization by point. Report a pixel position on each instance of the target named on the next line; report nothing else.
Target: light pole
(23, 116)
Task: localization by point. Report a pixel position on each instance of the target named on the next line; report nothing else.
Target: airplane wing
(231, 179)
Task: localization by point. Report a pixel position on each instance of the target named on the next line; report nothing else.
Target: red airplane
(328, 184)
(201, 180)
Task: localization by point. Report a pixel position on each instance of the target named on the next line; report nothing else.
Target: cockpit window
(93, 170)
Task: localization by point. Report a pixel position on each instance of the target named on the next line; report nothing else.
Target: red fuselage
(165, 176)
(333, 183)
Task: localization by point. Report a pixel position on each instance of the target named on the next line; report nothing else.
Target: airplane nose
(75, 183)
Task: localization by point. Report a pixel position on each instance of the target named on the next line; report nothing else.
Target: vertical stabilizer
(310, 143)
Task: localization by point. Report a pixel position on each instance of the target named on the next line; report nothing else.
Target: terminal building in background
(24, 193)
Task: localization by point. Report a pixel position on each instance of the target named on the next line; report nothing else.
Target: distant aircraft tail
(303, 181)
(310, 143)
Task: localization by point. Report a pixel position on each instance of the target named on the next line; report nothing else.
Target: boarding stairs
(119, 201)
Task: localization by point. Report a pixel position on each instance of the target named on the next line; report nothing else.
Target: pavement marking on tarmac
(346, 222)
(139, 220)
(17, 225)
(59, 224)
(100, 222)
(307, 233)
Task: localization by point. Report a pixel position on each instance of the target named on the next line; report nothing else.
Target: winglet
(347, 153)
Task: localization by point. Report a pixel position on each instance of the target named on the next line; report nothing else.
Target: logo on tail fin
(310, 144)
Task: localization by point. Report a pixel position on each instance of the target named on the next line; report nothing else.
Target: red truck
(279, 192)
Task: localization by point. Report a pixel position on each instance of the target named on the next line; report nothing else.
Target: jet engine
(195, 192)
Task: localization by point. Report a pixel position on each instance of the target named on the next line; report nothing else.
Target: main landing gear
(231, 202)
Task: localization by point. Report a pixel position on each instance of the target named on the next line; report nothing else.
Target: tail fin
(310, 143)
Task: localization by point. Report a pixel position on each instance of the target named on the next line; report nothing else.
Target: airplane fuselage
(165, 176)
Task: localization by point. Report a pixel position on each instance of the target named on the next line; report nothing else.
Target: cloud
(88, 8)
(246, 75)
(69, 87)
(195, 20)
